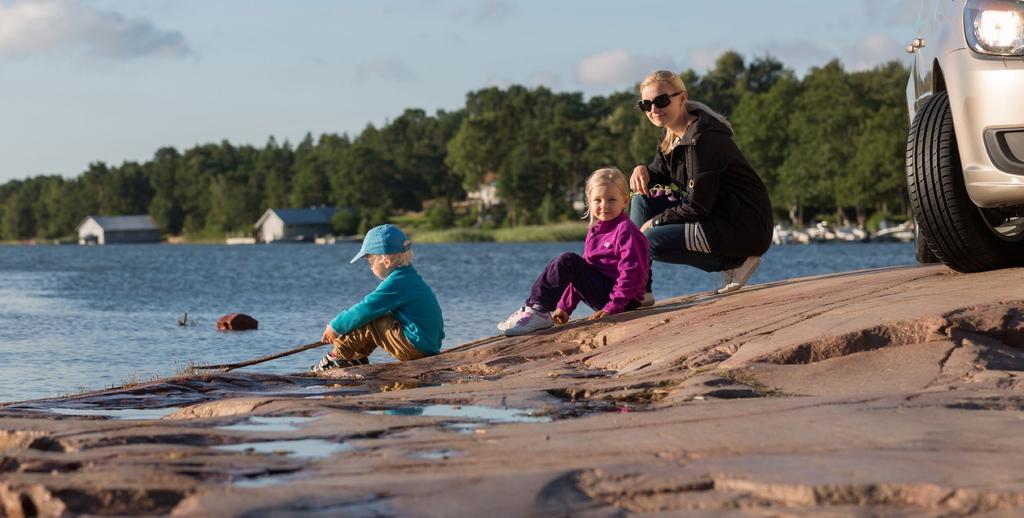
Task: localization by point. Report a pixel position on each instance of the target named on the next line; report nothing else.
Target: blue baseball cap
(383, 239)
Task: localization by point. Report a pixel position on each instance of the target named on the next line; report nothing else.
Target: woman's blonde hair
(673, 79)
(605, 176)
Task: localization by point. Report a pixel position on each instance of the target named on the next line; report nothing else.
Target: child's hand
(597, 314)
(560, 317)
(329, 335)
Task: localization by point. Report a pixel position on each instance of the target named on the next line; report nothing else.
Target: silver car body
(986, 95)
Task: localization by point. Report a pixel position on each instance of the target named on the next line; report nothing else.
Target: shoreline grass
(565, 231)
(554, 232)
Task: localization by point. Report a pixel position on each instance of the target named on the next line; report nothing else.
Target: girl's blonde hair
(673, 79)
(605, 176)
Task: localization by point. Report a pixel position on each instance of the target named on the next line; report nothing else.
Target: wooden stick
(232, 366)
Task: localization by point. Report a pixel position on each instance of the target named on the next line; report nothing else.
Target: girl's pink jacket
(620, 251)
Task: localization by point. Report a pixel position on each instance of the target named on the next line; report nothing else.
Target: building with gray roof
(106, 230)
(294, 225)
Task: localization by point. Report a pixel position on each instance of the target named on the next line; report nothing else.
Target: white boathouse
(107, 230)
(294, 225)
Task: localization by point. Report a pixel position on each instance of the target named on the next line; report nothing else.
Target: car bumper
(984, 96)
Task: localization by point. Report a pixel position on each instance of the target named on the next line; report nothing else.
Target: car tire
(922, 251)
(950, 223)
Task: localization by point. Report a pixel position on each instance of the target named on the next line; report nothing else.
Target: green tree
(723, 85)
(17, 212)
(875, 177)
(361, 183)
(762, 73)
(165, 207)
(822, 126)
(762, 122)
(275, 165)
(615, 119)
(309, 179)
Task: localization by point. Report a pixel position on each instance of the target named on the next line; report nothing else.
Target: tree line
(828, 144)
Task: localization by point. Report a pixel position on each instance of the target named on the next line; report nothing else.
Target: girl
(611, 275)
(700, 202)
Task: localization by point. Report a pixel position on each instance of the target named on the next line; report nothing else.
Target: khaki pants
(384, 332)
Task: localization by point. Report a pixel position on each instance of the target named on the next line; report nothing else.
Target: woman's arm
(658, 169)
(655, 173)
(713, 152)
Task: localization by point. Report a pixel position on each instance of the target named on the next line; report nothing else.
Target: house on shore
(108, 230)
(485, 195)
(294, 225)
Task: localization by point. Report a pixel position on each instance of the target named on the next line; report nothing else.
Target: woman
(699, 203)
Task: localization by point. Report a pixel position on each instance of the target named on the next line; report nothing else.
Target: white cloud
(487, 11)
(704, 58)
(617, 67)
(389, 69)
(545, 78)
(865, 53)
(799, 55)
(871, 51)
(499, 82)
(29, 27)
(894, 12)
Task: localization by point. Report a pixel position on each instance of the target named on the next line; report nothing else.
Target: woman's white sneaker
(735, 278)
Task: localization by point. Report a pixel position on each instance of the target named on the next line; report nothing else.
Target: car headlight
(995, 27)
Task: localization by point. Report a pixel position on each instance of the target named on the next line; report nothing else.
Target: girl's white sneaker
(648, 300)
(525, 320)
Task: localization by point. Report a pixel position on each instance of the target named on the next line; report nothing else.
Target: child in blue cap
(401, 315)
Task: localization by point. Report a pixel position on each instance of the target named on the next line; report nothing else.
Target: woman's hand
(649, 224)
(329, 335)
(560, 317)
(639, 179)
(597, 314)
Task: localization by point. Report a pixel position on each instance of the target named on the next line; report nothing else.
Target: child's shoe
(330, 361)
(735, 278)
(525, 320)
(648, 300)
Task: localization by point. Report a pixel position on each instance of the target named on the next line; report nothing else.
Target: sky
(110, 81)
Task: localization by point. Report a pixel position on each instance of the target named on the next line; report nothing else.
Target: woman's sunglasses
(660, 101)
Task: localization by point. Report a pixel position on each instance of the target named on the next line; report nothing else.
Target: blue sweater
(405, 295)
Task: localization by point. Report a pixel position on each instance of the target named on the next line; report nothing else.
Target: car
(965, 147)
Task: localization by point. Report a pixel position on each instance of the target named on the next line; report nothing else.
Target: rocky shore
(889, 392)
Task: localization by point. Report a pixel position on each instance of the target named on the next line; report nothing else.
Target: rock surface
(894, 392)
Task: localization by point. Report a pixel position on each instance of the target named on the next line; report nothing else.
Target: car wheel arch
(938, 78)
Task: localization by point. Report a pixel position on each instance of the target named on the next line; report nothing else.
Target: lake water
(75, 318)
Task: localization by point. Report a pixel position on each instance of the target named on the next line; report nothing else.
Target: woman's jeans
(667, 241)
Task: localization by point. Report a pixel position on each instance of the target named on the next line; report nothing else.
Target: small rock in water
(237, 322)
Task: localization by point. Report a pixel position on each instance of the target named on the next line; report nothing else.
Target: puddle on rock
(141, 414)
(308, 448)
(267, 480)
(393, 385)
(481, 413)
(320, 390)
(269, 424)
(435, 454)
(468, 428)
(257, 482)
